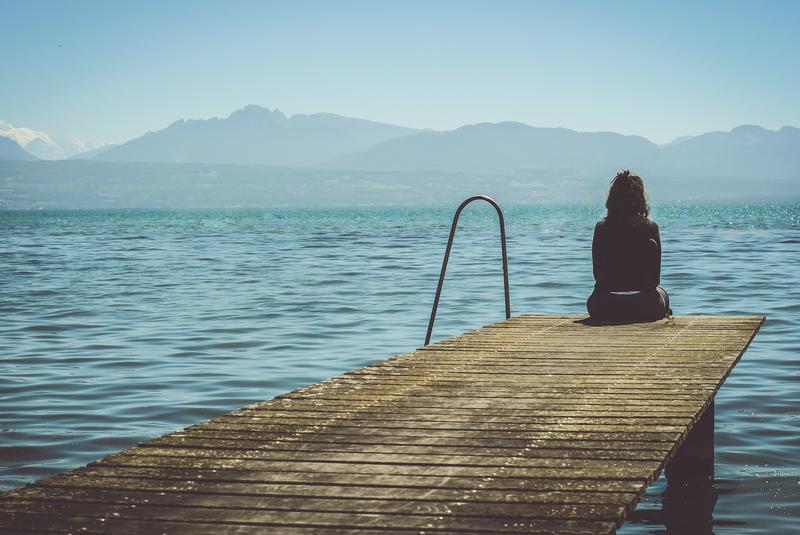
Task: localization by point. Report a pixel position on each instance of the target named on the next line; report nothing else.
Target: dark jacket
(626, 257)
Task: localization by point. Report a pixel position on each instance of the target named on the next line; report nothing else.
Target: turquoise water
(118, 326)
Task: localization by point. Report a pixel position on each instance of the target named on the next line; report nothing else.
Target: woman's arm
(597, 255)
(656, 263)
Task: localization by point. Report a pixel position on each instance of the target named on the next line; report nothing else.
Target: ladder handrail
(447, 256)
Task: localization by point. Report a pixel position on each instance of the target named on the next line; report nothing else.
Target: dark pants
(647, 305)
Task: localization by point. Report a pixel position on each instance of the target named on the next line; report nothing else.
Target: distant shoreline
(76, 184)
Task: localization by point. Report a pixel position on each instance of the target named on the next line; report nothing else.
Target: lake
(118, 326)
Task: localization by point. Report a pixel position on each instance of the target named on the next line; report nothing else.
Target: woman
(626, 256)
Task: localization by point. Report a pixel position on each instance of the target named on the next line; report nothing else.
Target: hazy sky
(109, 71)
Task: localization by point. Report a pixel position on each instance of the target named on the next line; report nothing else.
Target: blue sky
(109, 71)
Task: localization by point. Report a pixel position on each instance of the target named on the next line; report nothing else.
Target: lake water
(118, 326)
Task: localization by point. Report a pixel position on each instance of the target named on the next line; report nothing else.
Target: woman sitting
(626, 256)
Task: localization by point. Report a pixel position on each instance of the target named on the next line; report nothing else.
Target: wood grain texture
(537, 424)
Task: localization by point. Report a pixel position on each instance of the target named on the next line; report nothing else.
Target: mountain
(503, 148)
(33, 141)
(256, 135)
(42, 145)
(747, 151)
(11, 151)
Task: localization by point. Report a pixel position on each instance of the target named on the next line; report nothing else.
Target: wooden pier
(537, 424)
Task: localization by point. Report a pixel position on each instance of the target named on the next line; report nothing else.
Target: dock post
(690, 497)
(694, 462)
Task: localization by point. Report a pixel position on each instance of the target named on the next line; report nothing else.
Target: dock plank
(537, 424)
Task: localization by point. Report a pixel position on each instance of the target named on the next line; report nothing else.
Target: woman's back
(625, 256)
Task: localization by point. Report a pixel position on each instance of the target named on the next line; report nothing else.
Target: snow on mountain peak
(41, 145)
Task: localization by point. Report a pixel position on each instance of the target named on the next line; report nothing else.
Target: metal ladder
(447, 256)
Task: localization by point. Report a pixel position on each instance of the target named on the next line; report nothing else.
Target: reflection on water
(118, 326)
(687, 504)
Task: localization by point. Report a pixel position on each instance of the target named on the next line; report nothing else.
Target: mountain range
(41, 145)
(503, 148)
(746, 151)
(258, 136)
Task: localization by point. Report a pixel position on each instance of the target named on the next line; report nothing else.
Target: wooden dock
(537, 424)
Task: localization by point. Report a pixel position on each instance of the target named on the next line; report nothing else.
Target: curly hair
(627, 201)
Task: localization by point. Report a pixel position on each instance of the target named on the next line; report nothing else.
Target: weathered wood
(537, 424)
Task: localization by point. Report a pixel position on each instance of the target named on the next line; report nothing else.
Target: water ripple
(123, 325)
